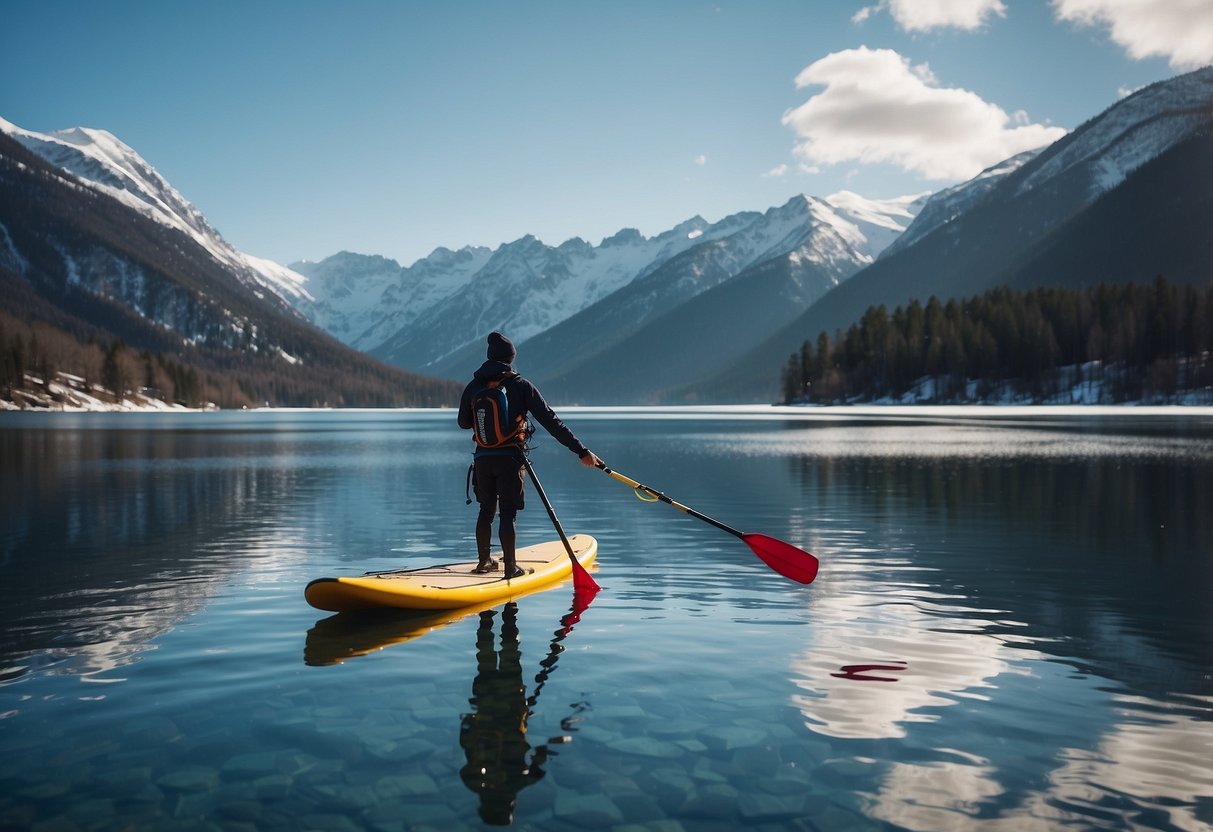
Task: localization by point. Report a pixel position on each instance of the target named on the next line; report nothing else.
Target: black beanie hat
(501, 348)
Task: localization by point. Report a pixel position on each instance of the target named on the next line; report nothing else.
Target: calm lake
(1012, 627)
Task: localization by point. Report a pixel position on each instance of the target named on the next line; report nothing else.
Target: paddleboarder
(495, 406)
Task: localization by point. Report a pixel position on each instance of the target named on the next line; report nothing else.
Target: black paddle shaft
(548, 505)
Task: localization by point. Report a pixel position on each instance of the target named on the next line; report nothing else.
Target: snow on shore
(68, 394)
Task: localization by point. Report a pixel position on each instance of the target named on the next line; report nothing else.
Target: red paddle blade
(784, 558)
(582, 580)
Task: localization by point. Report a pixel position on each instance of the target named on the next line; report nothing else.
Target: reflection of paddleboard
(347, 635)
(451, 585)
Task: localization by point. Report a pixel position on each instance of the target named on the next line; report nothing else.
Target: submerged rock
(647, 747)
(190, 779)
(251, 765)
(731, 737)
(593, 811)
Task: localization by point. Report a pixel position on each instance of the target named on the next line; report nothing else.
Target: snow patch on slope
(872, 225)
(948, 204)
(1132, 132)
(106, 164)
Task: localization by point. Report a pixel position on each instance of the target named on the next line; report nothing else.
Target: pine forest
(1100, 344)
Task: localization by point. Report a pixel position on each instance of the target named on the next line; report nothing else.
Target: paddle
(784, 558)
(582, 581)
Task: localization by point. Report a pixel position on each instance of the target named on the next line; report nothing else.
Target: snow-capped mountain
(418, 316)
(369, 301)
(878, 224)
(1139, 128)
(105, 163)
(422, 317)
(1099, 155)
(699, 309)
(680, 315)
(1124, 197)
(362, 299)
(948, 204)
(91, 281)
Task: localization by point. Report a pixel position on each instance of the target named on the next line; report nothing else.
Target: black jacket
(521, 393)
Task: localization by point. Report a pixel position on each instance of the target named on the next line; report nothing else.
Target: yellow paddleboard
(451, 585)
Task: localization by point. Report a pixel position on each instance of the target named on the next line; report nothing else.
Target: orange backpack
(493, 425)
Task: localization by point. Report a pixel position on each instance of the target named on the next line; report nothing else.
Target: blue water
(1012, 627)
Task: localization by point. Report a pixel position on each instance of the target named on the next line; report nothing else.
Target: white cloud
(1179, 30)
(778, 170)
(864, 13)
(876, 107)
(924, 15)
(701, 160)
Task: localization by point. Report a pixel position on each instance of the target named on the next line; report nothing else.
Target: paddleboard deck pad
(452, 585)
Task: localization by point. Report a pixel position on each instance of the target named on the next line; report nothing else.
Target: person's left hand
(591, 461)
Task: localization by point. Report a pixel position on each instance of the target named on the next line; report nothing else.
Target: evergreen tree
(113, 374)
(792, 373)
(12, 361)
(1140, 341)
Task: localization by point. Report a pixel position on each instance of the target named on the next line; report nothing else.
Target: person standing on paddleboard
(495, 406)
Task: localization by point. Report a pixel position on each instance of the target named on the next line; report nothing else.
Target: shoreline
(659, 411)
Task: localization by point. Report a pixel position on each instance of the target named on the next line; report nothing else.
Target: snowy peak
(364, 299)
(872, 225)
(100, 159)
(948, 204)
(1095, 158)
(103, 162)
(1130, 133)
(623, 237)
(841, 228)
(526, 287)
(891, 214)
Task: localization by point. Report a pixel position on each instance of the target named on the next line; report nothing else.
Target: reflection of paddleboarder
(493, 735)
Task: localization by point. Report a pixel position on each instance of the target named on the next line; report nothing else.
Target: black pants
(499, 486)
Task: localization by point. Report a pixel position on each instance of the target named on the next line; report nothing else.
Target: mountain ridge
(716, 304)
(1005, 232)
(665, 323)
(87, 277)
(527, 287)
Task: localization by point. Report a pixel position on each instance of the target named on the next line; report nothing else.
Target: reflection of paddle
(580, 603)
(784, 558)
(582, 582)
(859, 672)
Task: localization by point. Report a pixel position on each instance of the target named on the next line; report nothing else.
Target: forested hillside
(1117, 342)
(1120, 199)
(97, 295)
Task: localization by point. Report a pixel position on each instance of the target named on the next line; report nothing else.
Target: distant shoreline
(806, 412)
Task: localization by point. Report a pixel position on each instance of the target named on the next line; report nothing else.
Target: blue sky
(304, 128)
